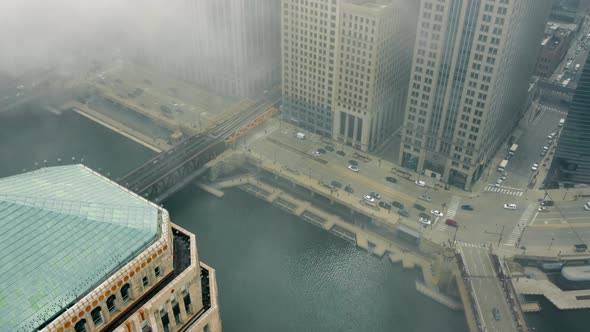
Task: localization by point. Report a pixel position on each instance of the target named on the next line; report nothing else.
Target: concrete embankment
(154, 144)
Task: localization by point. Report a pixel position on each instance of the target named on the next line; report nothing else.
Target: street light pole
(501, 234)
(550, 244)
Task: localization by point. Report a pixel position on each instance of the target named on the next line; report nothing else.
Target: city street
(488, 292)
(530, 146)
(282, 147)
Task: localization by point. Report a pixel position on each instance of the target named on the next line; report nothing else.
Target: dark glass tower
(572, 158)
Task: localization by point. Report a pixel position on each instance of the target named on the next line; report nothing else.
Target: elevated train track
(171, 170)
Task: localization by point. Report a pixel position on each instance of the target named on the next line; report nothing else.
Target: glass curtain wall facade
(571, 163)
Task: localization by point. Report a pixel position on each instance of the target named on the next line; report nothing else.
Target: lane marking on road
(560, 226)
(534, 218)
(504, 190)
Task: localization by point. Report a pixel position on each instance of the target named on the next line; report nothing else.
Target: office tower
(571, 163)
(82, 253)
(470, 74)
(346, 66)
(231, 47)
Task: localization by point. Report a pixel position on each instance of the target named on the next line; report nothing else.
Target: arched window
(81, 326)
(111, 305)
(125, 292)
(96, 316)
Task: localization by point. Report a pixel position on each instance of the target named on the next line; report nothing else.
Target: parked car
(353, 162)
(425, 198)
(467, 207)
(535, 167)
(385, 205)
(353, 168)
(349, 189)
(452, 223)
(437, 213)
(403, 213)
(510, 206)
(398, 205)
(341, 153)
(391, 179)
(336, 184)
(320, 150)
(419, 207)
(424, 215)
(329, 148)
(420, 183)
(316, 153)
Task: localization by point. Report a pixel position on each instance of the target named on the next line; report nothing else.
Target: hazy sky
(65, 33)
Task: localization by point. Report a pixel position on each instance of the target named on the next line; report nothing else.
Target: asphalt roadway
(488, 291)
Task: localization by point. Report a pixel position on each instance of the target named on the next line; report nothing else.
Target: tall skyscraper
(571, 163)
(345, 66)
(231, 47)
(470, 75)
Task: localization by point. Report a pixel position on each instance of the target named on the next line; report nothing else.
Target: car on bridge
(353, 168)
(336, 184)
(349, 189)
(419, 207)
(385, 205)
(398, 205)
(403, 213)
(420, 183)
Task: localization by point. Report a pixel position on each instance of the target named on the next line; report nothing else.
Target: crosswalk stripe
(519, 228)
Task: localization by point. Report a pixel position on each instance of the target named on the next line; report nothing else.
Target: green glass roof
(62, 231)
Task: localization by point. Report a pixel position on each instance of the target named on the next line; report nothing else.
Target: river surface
(274, 271)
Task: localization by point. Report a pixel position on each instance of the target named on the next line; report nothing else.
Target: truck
(502, 165)
(512, 150)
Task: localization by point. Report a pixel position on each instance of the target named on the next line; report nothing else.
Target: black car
(547, 203)
(424, 215)
(391, 179)
(341, 153)
(329, 148)
(403, 213)
(398, 205)
(467, 207)
(349, 189)
(320, 150)
(385, 205)
(419, 207)
(336, 184)
(353, 162)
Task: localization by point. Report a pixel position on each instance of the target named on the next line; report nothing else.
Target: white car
(437, 213)
(499, 181)
(424, 221)
(535, 167)
(369, 198)
(545, 148)
(420, 183)
(510, 206)
(316, 153)
(353, 168)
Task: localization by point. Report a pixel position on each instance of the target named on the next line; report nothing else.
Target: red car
(451, 222)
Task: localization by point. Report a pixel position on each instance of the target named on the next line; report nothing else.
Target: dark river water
(274, 271)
